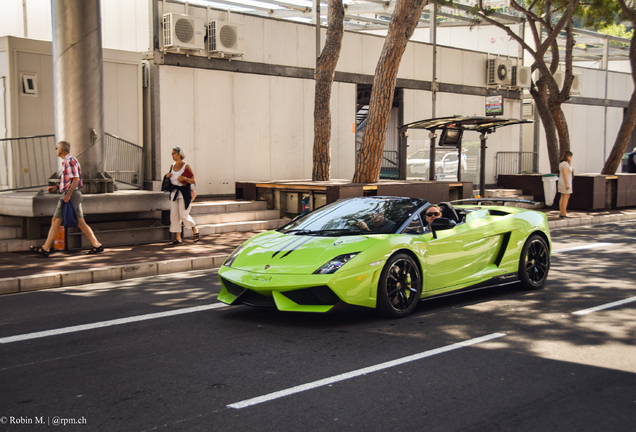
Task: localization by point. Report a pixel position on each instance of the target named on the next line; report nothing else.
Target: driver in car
(378, 223)
(432, 213)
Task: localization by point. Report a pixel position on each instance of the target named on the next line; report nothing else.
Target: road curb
(589, 220)
(63, 279)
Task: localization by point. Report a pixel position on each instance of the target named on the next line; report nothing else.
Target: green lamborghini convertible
(378, 252)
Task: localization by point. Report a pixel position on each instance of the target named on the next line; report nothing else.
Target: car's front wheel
(534, 263)
(399, 287)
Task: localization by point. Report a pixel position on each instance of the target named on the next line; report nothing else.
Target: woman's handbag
(166, 186)
(69, 217)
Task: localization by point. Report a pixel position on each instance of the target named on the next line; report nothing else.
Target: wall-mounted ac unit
(499, 72)
(183, 32)
(521, 76)
(225, 37)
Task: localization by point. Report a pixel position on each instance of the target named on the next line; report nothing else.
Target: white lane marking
(576, 248)
(109, 323)
(605, 306)
(363, 371)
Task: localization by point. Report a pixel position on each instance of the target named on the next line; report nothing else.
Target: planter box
(626, 190)
(591, 191)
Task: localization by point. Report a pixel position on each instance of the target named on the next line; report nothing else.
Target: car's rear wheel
(534, 263)
(399, 287)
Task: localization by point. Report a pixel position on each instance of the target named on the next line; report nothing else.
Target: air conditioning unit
(225, 37)
(521, 76)
(183, 32)
(499, 72)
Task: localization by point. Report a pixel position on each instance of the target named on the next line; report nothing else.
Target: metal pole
(482, 169)
(433, 31)
(24, 19)
(78, 82)
(459, 161)
(404, 137)
(431, 156)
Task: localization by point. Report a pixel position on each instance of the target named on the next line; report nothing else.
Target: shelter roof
(477, 124)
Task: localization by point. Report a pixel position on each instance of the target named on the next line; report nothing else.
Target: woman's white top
(570, 174)
(175, 182)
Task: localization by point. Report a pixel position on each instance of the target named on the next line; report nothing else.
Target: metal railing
(515, 163)
(28, 162)
(124, 161)
(389, 169)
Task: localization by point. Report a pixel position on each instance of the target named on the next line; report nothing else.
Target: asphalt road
(162, 354)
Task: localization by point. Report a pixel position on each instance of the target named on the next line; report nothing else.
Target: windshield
(368, 215)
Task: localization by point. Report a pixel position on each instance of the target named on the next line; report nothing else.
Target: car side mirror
(440, 224)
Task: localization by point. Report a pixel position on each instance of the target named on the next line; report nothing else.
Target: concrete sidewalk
(27, 271)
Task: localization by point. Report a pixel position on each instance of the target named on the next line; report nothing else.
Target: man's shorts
(76, 199)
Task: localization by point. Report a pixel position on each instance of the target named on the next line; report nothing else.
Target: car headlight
(333, 265)
(230, 260)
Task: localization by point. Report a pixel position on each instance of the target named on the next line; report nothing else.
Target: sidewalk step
(239, 216)
(10, 232)
(122, 236)
(216, 207)
(257, 225)
(503, 193)
(18, 245)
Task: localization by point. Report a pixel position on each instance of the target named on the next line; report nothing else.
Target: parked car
(417, 164)
(449, 164)
(329, 257)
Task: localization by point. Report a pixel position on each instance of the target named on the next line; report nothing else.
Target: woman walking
(566, 175)
(182, 177)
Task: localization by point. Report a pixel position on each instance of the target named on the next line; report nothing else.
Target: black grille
(233, 288)
(316, 296)
(247, 297)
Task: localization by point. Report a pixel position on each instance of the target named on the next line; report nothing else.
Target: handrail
(27, 162)
(124, 161)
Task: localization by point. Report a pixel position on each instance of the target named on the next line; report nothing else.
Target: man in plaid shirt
(70, 183)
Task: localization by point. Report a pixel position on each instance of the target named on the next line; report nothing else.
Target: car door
(450, 164)
(459, 256)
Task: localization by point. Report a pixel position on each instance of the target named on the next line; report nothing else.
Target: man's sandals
(95, 250)
(40, 250)
(195, 237)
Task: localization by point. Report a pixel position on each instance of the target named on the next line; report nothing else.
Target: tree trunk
(540, 98)
(325, 71)
(369, 159)
(627, 126)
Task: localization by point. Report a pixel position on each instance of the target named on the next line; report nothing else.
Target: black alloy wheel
(400, 286)
(534, 263)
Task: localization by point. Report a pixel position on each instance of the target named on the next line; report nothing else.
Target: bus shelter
(451, 131)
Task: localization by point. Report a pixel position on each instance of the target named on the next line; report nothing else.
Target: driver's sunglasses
(433, 214)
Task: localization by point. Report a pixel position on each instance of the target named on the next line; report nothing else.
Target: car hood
(278, 253)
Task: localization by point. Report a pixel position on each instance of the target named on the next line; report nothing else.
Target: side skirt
(498, 281)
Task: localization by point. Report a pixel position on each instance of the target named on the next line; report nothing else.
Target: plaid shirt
(70, 170)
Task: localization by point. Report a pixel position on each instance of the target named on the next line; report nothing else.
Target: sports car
(378, 252)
